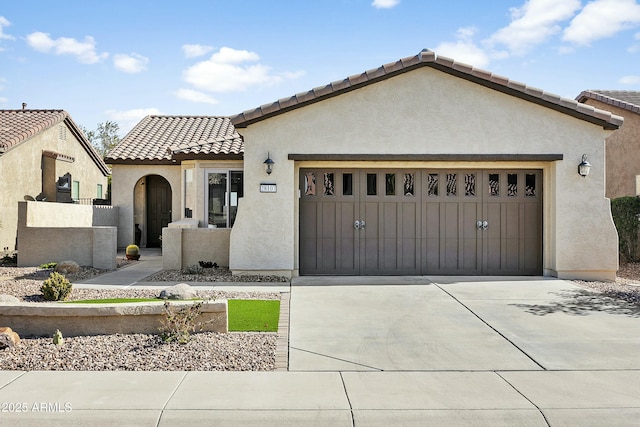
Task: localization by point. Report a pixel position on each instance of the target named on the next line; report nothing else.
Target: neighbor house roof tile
(428, 58)
(18, 126)
(625, 99)
(162, 139)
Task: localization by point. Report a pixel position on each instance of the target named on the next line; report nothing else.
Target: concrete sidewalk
(383, 351)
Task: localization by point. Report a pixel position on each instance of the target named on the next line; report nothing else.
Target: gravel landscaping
(204, 352)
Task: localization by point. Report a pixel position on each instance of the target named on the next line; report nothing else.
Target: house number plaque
(268, 188)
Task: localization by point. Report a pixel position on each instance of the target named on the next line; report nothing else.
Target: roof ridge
(604, 96)
(442, 63)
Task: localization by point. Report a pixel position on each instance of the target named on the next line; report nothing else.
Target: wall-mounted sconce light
(268, 164)
(584, 167)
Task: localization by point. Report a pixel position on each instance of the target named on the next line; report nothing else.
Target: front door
(158, 208)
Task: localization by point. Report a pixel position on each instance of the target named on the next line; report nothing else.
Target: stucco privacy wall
(21, 174)
(125, 180)
(56, 232)
(426, 111)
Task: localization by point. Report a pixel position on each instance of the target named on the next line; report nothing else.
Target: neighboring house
(44, 156)
(623, 146)
(421, 166)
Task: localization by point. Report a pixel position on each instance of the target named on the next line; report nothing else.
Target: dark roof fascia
(429, 157)
(139, 162)
(184, 157)
(429, 59)
(525, 96)
(614, 102)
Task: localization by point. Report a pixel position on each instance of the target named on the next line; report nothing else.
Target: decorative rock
(8, 338)
(57, 338)
(66, 267)
(8, 298)
(181, 291)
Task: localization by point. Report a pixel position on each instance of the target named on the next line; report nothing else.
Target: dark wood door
(406, 222)
(158, 208)
(359, 222)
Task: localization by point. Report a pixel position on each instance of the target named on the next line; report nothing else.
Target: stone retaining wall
(42, 319)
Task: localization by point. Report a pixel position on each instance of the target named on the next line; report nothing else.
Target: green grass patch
(113, 300)
(253, 315)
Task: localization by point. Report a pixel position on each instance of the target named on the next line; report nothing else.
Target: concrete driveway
(458, 324)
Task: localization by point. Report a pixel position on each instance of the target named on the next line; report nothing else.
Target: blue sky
(120, 60)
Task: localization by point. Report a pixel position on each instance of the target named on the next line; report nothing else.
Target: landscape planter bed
(42, 319)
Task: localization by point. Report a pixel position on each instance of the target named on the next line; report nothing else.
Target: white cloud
(4, 101)
(127, 119)
(384, 4)
(195, 96)
(84, 51)
(533, 23)
(231, 70)
(601, 19)
(630, 80)
(133, 63)
(4, 22)
(465, 49)
(195, 50)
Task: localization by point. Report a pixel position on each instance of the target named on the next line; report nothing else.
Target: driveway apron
(457, 324)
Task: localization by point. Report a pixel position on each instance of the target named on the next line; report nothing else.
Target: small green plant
(179, 323)
(9, 260)
(56, 287)
(48, 266)
(208, 264)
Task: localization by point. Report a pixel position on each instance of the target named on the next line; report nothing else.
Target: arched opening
(152, 209)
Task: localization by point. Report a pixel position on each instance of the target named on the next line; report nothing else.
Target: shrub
(208, 264)
(192, 269)
(626, 216)
(132, 250)
(48, 265)
(180, 322)
(56, 287)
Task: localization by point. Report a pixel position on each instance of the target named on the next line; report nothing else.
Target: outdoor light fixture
(584, 167)
(268, 164)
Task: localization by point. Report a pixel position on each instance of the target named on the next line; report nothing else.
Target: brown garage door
(404, 222)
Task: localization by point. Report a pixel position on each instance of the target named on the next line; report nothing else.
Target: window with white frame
(223, 188)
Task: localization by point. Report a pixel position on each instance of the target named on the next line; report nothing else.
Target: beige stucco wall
(129, 196)
(423, 112)
(623, 153)
(56, 232)
(21, 174)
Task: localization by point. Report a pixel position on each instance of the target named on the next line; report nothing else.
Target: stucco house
(420, 166)
(44, 156)
(623, 146)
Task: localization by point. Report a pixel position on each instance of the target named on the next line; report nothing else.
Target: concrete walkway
(383, 351)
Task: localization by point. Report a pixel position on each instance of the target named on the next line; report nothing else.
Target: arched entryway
(158, 208)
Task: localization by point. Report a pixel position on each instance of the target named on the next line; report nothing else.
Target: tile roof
(18, 126)
(625, 99)
(430, 59)
(163, 139)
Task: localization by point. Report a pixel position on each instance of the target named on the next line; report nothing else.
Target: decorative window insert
(512, 185)
(390, 184)
(223, 188)
(530, 185)
(432, 185)
(494, 184)
(347, 184)
(329, 184)
(409, 185)
(469, 184)
(310, 184)
(372, 184)
(452, 186)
